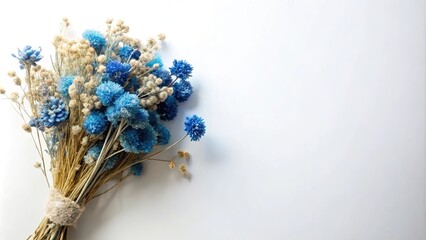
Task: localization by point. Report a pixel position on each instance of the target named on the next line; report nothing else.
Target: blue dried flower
(118, 72)
(163, 134)
(167, 110)
(108, 92)
(53, 112)
(127, 52)
(96, 40)
(139, 119)
(156, 60)
(93, 153)
(111, 162)
(136, 169)
(182, 90)
(113, 115)
(195, 127)
(37, 123)
(153, 118)
(164, 75)
(181, 69)
(95, 123)
(64, 84)
(28, 56)
(138, 140)
(127, 104)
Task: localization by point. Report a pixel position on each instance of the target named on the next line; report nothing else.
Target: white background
(316, 115)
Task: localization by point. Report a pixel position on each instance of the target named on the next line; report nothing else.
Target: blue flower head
(139, 119)
(127, 104)
(53, 112)
(181, 69)
(95, 123)
(37, 123)
(195, 127)
(133, 84)
(182, 90)
(118, 72)
(127, 52)
(93, 153)
(167, 110)
(63, 85)
(163, 134)
(153, 118)
(113, 115)
(108, 92)
(156, 60)
(111, 162)
(164, 75)
(136, 169)
(28, 56)
(138, 140)
(96, 40)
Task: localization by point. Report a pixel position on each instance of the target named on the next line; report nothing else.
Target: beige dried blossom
(26, 127)
(183, 170)
(76, 129)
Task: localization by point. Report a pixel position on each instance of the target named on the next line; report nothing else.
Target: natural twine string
(61, 210)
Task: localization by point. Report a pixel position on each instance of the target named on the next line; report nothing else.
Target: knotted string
(61, 210)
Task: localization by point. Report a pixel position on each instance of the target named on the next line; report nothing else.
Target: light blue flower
(95, 123)
(108, 92)
(156, 60)
(63, 85)
(181, 69)
(182, 90)
(28, 56)
(195, 127)
(93, 153)
(96, 40)
(127, 104)
(53, 112)
(138, 140)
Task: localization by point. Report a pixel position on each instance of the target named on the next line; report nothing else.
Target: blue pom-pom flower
(108, 92)
(156, 60)
(28, 56)
(96, 40)
(163, 134)
(127, 104)
(126, 53)
(136, 169)
(182, 90)
(111, 162)
(164, 75)
(181, 69)
(64, 84)
(53, 112)
(93, 153)
(139, 119)
(95, 123)
(118, 72)
(138, 140)
(195, 127)
(168, 109)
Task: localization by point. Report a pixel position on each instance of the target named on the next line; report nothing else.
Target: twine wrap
(61, 210)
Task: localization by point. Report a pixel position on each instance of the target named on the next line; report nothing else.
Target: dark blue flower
(156, 60)
(136, 169)
(63, 85)
(153, 118)
(138, 140)
(195, 127)
(96, 40)
(108, 92)
(95, 123)
(37, 123)
(181, 69)
(118, 72)
(127, 52)
(111, 162)
(163, 134)
(53, 112)
(93, 153)
(164, 75)
(28, 56)
(182, 90)
(168, 109)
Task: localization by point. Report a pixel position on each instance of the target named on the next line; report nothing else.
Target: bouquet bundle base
(98, 116)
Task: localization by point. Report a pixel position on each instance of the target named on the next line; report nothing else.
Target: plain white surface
(316, 114)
